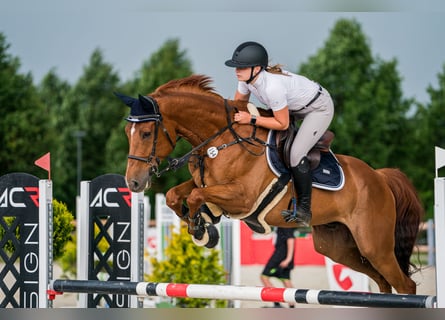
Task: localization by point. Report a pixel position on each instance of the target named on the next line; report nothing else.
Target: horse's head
(148, 139)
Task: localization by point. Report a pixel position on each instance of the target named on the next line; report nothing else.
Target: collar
(259, 79)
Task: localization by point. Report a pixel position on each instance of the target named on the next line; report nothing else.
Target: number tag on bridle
(212, 152)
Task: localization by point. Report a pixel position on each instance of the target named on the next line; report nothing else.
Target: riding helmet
(249, 54)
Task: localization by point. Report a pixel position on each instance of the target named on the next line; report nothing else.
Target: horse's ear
(147, 104)
(129, 101)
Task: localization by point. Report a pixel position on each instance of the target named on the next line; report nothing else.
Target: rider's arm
(279, 121)
(241, 96)
(289, 253)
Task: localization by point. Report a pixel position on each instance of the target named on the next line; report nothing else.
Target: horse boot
(302, 179)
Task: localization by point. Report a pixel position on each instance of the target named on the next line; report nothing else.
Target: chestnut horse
(369, 225)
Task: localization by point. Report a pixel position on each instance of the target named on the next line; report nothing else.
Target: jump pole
(439, 221)
(230, 292)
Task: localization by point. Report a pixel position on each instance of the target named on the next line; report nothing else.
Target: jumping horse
(370, 224)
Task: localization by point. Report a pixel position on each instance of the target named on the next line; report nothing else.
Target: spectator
(281, 262)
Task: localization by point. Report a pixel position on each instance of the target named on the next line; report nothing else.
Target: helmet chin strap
(252, 76)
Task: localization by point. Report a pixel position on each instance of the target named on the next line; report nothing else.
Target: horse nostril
(133, 184)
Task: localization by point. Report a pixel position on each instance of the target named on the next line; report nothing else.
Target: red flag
(44, 162)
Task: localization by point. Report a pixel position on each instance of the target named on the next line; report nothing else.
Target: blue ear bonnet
(142, 109)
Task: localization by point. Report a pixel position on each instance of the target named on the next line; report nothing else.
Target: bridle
(174, 164)
(156, 117)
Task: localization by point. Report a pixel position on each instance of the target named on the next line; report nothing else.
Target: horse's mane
(195, 83)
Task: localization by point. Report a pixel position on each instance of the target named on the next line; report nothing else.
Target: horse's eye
(146, 135)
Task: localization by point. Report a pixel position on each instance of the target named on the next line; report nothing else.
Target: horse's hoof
(209, 239)
(213, 236)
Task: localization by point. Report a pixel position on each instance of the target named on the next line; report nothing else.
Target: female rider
(284, 92)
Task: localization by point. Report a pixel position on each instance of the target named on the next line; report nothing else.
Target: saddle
(284, 140)
(284, 144)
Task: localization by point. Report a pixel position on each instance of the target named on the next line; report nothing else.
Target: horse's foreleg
(231, 197)
(175, 198)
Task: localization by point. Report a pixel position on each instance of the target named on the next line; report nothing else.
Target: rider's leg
(302, 180)
(315, 122)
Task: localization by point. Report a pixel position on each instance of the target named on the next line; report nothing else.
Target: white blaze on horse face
(133, 129)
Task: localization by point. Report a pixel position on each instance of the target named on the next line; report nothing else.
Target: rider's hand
(242, 117)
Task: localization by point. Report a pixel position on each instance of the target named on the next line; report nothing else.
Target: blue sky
(62, 34)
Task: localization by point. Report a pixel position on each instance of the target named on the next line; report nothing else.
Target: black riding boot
(302, 179)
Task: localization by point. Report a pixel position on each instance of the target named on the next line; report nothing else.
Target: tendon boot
(302, 179)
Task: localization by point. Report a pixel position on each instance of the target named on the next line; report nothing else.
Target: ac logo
(345, 282)
(104, 196)
(343, 278)
(10, 196)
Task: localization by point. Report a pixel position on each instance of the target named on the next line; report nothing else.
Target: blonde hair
(276, 69)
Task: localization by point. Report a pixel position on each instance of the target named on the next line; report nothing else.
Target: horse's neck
(197, 120)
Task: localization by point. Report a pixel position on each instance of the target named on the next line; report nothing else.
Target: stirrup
(301, 218)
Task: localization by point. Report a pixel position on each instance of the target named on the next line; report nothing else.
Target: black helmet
(249, 54)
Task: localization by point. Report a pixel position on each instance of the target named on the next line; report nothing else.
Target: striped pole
(230, 292)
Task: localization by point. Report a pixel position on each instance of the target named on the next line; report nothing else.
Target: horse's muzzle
(138, 185)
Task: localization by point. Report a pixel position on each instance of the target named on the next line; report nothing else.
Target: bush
(62, 228)
(68, 262)
(185, 262)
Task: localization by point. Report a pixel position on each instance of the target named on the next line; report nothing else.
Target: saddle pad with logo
(328, 175)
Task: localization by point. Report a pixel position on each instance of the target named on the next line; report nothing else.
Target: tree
(53, 92)
(25, 124)
(428, 124)
(166, 64)
(370, 117)
(89, 108)
(343, 64)
(99, 112)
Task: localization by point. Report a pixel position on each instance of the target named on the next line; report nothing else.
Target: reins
(176, 163)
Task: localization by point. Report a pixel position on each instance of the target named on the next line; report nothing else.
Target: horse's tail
(409, 211)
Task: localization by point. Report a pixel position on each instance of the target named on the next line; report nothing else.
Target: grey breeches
(316, 120)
